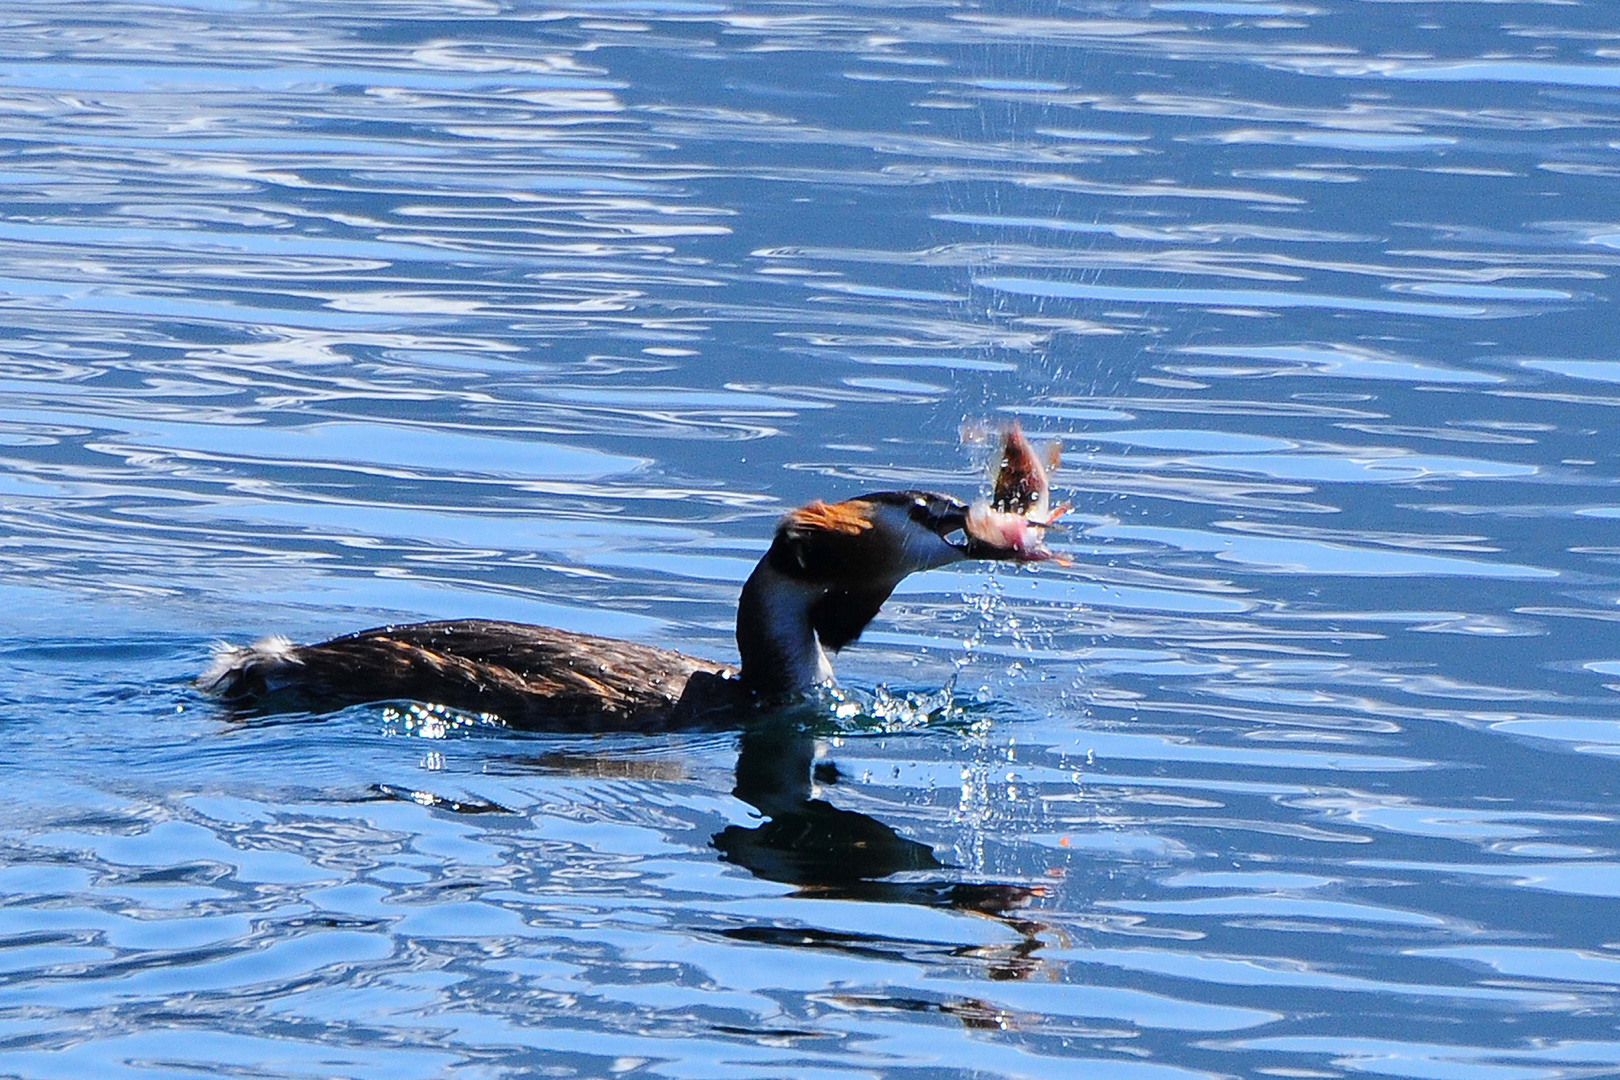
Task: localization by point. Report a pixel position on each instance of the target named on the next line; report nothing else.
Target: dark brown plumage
(530, 676)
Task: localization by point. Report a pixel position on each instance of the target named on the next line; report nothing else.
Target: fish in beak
(1022, 481)
(1012, 523)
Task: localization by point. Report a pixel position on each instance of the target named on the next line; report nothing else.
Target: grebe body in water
(829, 569)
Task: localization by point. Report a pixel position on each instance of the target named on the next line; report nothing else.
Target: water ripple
(325, 317)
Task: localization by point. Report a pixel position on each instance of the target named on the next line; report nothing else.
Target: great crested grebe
(829, 569)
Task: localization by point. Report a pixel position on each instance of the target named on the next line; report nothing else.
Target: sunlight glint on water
(319, 317)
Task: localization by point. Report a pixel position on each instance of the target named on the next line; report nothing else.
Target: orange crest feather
(850, 518)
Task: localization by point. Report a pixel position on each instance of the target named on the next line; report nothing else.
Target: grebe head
(832, 565)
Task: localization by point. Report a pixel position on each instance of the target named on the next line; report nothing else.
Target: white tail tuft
(235, 663)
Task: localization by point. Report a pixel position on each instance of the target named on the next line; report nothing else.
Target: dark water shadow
(829, 852)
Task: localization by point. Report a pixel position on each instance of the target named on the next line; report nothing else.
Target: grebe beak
(978, 531)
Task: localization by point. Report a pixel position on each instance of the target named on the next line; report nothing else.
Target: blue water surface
(317, 316)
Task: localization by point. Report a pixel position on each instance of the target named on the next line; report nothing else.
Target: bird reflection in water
(828, 852)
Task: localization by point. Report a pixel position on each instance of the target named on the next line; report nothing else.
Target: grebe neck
(776, 633)
(828, 571)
